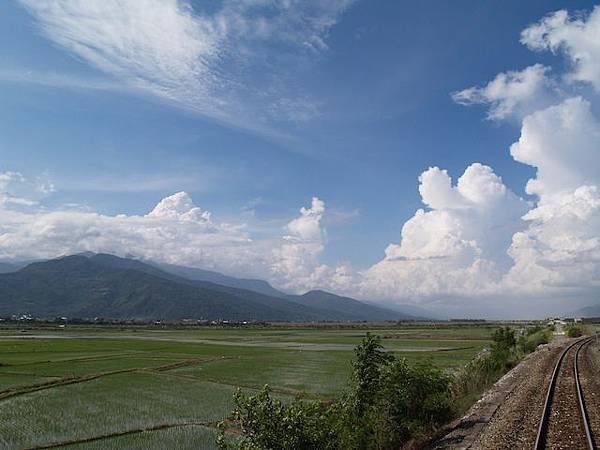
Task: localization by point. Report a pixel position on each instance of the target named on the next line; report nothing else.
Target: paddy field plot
(116, 388)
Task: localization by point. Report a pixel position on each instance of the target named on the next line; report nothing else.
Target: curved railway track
(564, 422)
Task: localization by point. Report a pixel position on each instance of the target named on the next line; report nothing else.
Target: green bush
(533, 337)
(573, 331)
(268, 423)
(414, 400)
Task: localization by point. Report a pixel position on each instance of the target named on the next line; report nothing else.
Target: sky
(441, 154)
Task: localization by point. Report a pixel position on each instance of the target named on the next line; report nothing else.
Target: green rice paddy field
(144, 388)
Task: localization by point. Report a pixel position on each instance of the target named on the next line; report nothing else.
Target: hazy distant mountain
(345, 308)
(8, 267)
(100, 285)
(106, 286)
(215, 277)
(588, 311)
(13, 266)
(357, 309)
(412, 310)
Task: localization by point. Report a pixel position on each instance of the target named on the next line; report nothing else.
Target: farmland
(160, 387)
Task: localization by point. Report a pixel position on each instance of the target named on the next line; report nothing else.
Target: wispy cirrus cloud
(210, 62)
(19, 191)
(57, 80)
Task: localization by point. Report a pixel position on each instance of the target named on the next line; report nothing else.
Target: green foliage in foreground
(533, 337)
(388, 402)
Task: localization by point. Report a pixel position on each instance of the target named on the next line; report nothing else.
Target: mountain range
(588, 311)
(101, 285)
(8, 267)
(193, 273)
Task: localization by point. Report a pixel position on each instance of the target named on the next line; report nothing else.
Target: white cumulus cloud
(297, 258)
(577, 37)
(512, 93)
(563, 143)
(561, 246)
(459, 246)
(559, 252)
(176, 231)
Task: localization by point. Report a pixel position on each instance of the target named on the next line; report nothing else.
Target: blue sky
(350, 110)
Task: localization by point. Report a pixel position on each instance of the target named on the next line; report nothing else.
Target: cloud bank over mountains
(474, 241)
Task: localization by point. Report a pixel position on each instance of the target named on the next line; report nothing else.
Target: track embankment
(589, 362)
(508, 415)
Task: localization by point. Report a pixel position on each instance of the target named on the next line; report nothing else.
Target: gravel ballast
(507, 416)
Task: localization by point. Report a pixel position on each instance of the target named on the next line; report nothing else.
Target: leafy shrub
(573, 331)
(534, 329)
(414, 399)
(269, 423)
(534, 337)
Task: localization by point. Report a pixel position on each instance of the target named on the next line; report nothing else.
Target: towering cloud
(297, 265)
(478, 239)
(458, 246)
(561, 246)
(561, 142)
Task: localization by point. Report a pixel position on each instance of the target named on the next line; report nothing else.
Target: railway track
(564, 423)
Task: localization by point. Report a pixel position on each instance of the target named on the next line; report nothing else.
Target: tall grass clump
(485, 369)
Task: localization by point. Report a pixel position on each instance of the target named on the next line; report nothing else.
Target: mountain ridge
(103, 285)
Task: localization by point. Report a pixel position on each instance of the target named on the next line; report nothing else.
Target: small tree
(413, 400)
(534, 336)
(504, 338)
(358, 407)
(503, 347)
(366, 370)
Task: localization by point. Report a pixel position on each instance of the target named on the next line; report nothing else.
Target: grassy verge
(485, 369)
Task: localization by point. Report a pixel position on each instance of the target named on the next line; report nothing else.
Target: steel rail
(584, 415)
(540, 441)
